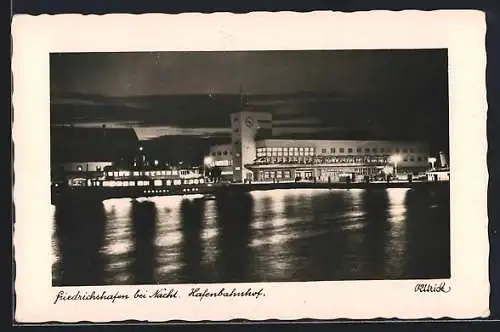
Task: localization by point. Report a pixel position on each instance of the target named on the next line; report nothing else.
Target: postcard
(196, 167)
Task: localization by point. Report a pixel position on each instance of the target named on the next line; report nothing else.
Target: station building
(254, 155)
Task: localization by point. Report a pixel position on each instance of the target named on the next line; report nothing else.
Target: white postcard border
(461, 32)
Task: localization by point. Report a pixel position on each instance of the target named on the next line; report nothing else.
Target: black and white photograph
(249, 166)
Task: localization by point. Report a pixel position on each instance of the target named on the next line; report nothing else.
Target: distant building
(254, 155)
(78, 150)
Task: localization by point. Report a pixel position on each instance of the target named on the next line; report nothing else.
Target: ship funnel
(443, 159)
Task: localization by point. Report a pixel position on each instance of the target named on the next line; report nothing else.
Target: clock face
(249, 122)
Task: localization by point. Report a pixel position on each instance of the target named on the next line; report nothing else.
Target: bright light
(141, 148)
(207, 161)
(395, 158)
(156, 162)
(387, 170)
(432, 161)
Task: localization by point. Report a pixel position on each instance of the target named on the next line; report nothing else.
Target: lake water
(262, 236)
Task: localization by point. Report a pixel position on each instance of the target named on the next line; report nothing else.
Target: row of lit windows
(284, 153)
(310, 150)
(350, 159)
(156, 183)
(275, 175)
(316, 160)
(281, 149)
(149, 173)
(223, 163)
(370, 150)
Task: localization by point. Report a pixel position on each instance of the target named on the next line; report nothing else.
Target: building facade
(221, 156)
(254, 156)
(332, 160)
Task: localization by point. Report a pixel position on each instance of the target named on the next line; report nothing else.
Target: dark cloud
(383, 92)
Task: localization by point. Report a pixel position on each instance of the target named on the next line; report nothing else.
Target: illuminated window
(177, 182)
(168, 182)
(157, 183)
(110, 173)
(175, 172)
(136, 173)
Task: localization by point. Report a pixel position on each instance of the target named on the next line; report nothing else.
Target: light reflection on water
(279, 235)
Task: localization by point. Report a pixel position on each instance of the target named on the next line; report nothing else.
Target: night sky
(400, 94)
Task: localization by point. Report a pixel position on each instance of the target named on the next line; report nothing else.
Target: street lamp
(432, 161)
(395, 159)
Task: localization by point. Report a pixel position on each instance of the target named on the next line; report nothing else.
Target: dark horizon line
(301, 93)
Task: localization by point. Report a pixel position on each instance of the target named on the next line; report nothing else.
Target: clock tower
(244, 128)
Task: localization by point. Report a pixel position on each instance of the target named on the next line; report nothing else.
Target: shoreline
(215, 190)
